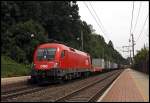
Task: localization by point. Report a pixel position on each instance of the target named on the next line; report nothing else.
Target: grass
(9, 68)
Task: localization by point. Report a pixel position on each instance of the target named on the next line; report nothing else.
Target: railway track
(20, 91)
(23, 90)
(71, 90)
(89, 93)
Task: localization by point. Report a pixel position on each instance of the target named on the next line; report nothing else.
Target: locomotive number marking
(43, 66)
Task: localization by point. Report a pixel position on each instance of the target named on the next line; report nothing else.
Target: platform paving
(11, 80)
(130, 86)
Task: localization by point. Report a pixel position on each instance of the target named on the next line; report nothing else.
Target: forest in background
(49, 20)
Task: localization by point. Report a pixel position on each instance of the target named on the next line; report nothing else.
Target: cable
(137, 16)
(142, 28)
(132, 18)
(96, 20)
(97, 16)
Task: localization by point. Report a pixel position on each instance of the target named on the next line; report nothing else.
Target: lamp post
(81, 37)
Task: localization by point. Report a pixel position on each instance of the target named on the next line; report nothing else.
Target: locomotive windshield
(46, 53)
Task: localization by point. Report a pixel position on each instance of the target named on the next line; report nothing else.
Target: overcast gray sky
(116, 20)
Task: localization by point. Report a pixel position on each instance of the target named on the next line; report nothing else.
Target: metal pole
(82, 39)
(132, 47)
(130, 53)
(103, 53)
(130, 58)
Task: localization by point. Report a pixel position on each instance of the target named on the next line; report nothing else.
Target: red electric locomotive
(53, 61)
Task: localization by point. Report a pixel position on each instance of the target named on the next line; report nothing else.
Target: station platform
(130, 86)
(12, 80)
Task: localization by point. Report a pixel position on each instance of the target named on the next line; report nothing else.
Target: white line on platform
(101, 98)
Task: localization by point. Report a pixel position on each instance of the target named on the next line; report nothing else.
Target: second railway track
(20, 91)
(23, 90)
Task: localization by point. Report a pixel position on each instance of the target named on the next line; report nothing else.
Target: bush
(18, 54)
(9, 68)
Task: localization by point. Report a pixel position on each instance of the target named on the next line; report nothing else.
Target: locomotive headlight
(55, 65)
(33, 65)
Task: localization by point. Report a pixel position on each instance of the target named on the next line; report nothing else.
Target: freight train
(57, 62)
(101, 65)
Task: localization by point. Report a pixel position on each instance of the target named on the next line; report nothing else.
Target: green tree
(22, 41)
(141, 60)
(110, 44)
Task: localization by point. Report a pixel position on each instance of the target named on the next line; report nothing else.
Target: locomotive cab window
(46, 53)
(62, 54)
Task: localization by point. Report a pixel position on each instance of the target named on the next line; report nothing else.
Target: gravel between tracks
(55, 92)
